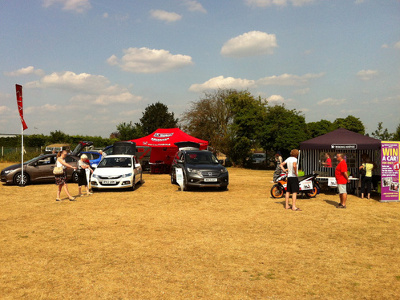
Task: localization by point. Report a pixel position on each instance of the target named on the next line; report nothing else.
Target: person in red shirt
(328, 161)
(341, 179)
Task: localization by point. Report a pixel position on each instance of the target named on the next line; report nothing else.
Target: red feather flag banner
(20, 104)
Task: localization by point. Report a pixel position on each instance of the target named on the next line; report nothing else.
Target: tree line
(233, 122)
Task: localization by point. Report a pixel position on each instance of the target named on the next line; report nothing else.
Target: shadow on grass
(333, 203)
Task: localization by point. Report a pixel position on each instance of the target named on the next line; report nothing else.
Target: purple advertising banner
(390, 171)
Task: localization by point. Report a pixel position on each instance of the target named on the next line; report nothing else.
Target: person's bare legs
(294, 198)
(59, 187)
(66, 191)
(79, 191)
(343, 198)
(287, 200)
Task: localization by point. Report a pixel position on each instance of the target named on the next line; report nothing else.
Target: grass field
(160, 243)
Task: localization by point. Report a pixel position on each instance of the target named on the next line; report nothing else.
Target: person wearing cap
(83, 165)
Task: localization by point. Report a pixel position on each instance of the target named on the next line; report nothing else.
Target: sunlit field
(160, 243)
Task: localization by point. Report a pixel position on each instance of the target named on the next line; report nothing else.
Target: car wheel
(185, 187)
(277, 191)
(74, 177)
(18, 177)
(173, 181)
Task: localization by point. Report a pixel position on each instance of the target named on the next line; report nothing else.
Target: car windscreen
(115, 162)
(205, 158)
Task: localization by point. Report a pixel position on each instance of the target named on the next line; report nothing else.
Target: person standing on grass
(366, 180)
(82, 179)
(293, 181)
(341, 179)
(61, 180)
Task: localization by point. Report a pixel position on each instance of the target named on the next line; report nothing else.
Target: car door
(42, 168)
(137, 169)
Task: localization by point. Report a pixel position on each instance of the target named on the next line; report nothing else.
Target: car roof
(119, 155)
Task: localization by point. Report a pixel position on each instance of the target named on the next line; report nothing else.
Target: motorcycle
(308, 185)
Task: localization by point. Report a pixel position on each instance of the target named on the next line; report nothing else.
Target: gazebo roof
(342, 139)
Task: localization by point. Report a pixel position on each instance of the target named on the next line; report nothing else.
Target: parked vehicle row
(120, 168)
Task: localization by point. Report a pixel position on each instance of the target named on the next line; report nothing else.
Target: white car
(117, 171)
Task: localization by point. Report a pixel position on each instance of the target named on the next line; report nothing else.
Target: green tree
(209, 119)
(245, 130)
(396, 134)
(350, 123)
(319, 128)
(283, 129)
(157, 116)
(58, 137)
(129, 131)
(382, 134)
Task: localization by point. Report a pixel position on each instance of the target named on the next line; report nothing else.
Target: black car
(200, 169)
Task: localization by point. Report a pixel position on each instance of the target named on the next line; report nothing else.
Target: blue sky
(88, 65)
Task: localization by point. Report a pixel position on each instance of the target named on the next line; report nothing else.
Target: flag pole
(22, 182)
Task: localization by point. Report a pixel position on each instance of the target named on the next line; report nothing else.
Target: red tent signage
(20, 104)
(162, 143)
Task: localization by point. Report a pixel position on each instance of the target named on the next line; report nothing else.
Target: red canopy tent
(162, 143)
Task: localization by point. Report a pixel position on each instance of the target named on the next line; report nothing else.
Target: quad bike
(308, 185)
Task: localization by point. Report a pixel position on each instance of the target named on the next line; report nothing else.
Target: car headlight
(224, 170)
(7, 171)
(127, 175)
(195, 171)
(95, 176)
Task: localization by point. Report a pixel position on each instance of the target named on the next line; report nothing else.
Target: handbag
(58, 171)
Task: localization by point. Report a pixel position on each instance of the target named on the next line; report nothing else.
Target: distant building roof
(6, 135)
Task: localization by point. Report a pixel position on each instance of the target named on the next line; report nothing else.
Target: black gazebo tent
(352, 144)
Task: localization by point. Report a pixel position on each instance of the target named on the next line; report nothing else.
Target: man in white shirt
(292, 182)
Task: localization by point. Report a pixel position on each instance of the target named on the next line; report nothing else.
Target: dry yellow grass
(160, 243)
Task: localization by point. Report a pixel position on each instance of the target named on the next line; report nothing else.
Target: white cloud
(397, 45)
(166, 16)
(331, 101)
(88, 88)
(78, 6)
(266, 3)
(385, 46)
(105, 15)
(25, 71)
(288, 79)
(194, 5)
(43, 109)
(275, 98)
(145, 60)
(221, 82)
(367, 74)
(249, 44)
